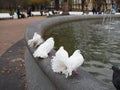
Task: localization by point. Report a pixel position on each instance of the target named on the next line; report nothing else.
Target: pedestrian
(93, 10)
(113, 8)
(18, 12)
(41, 12)
(86, 9)
(29, 10)
(96, 10)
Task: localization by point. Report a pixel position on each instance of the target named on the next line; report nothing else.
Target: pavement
(12, 46)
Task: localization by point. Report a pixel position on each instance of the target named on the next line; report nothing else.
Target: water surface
(99, 44)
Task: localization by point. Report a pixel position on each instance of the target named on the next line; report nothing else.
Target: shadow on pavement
(12, 69)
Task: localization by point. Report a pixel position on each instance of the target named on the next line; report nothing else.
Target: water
(99, 45)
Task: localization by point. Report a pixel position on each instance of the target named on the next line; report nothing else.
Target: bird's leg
(75, 72)
(66, 75)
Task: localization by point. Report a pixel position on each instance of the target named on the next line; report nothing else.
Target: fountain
(109, 18)
(39, 72)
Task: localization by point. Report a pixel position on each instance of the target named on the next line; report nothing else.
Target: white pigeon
(36, 40)
(58, 65)
(45, 48)
(62, 63)
(74, 61)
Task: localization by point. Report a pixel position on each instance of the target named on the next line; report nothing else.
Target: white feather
(57, 61)
(75, 60)
(45, 48)
(62, 63)
(36, 40)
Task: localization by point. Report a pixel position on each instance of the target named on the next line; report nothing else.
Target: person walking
(29, 12)
(18, 12)
(93, 10)
(113, 8)
(86, 9)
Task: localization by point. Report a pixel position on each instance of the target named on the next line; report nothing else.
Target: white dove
(62, 63)
(36, 40)
(58, 64)
(45, 48)
(74, 61)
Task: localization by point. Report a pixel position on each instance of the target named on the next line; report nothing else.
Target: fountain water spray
(109, 18)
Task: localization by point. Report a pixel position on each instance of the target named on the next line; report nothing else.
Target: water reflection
(100, 46)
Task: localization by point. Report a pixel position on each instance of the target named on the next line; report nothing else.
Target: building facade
(105, 4)
(76, 5)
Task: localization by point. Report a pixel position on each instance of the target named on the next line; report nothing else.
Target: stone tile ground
(12, 46)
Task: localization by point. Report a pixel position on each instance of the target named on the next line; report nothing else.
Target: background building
(73, 5)
(77, 5)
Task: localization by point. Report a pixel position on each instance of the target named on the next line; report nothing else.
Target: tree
(10, 5)
(39, 3)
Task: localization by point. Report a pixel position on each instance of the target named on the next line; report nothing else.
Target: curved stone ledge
(39, 73)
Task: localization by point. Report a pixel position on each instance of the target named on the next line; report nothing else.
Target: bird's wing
(40, 52)
(36, 40)
(30, 43)
(75, 60)
(62, 53)
(38, 37)
(57, 65)
(59, 60)
(116, 83)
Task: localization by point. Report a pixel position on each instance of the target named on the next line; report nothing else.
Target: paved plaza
(12, 46)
